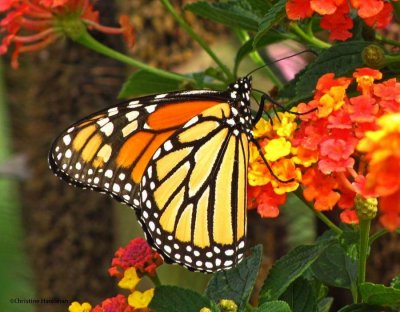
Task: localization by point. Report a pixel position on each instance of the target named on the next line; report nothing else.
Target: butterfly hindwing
(193, 193)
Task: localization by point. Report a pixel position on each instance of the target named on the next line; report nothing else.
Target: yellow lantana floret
(284, 124)
(130, 279)
(277, 148)
(140, 300)
(77, 307)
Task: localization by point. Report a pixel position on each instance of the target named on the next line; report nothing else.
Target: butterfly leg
(260, 151)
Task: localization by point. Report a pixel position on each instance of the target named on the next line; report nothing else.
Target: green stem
(295, 28)
(88, 41)
(390, 59)
(383, 39)
(320, 215)
(199, 39)
(377, 235)
(156, 280)
(365, 226)
(258, 60)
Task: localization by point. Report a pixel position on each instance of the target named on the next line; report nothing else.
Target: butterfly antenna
(278, 60)
(266, 97)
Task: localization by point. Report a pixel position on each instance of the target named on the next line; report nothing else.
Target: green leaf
(236, 284)
(289, 268)
(273, 306)
(395, 283)
(230, 13)
(300, 222)
(335, 268)
(143, 82)
(360, 307)
(176, 299)
(300, 296)
(273, 16)
(381, 295)
(349, 241)
(325, 304)
(340, 59)
(260, 6)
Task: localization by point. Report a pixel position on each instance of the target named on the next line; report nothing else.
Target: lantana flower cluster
(336, 14)
(348, 145)
(31, 25)
(129, 265)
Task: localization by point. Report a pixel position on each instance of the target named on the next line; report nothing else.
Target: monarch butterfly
(180, 160)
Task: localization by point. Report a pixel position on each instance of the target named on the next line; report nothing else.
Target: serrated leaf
(236, 284)
(300, 296)
(335, 268)
(376, 294)
(273, 16)
(289, 268)
(176, 299)
(340, 59)
(360, 307)
(144, 82)
(274, 306)
(228, 13)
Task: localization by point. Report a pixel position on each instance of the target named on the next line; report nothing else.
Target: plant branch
(88, 41)
(295, 28)
(320, 215)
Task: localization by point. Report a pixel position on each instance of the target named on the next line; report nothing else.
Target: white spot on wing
(168, 145)
(152, 226)
(116, 188)
(150, 108)
(67, 139)
(107, 129)
(108, 173)
(191, 122)
(101, 122)
(112, 111)
(132, 115)
(133, 104)
(68, 153)
(188, 259)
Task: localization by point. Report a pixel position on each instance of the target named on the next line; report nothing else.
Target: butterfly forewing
(110, 150)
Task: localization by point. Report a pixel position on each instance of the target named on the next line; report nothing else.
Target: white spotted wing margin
(193, 194)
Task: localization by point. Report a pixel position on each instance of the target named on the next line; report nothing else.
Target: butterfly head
(240, 92)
